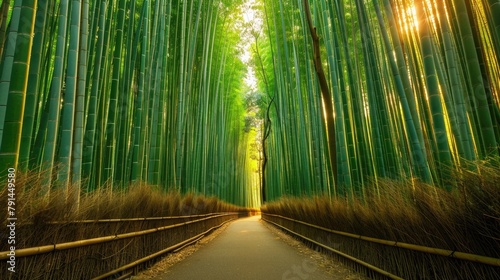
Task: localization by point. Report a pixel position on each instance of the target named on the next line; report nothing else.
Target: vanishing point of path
(247, 250)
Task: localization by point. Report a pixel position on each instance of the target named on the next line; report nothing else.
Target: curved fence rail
(114, 256)
(387, 259)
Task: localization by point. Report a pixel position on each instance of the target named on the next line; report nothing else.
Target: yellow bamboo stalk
(131, 219)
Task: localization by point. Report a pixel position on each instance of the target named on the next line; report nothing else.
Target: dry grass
(53, 218)
(36, 211)
(466, 219)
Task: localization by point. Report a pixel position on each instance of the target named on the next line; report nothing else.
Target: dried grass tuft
(467, 219)
(37, 210)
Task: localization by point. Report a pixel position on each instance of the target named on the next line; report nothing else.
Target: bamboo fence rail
(25, 252)
(436, 251)
(116, 254)
(367, 256)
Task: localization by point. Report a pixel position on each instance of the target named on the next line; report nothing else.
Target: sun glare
(249, 14)
(252, 23)
(408, 20)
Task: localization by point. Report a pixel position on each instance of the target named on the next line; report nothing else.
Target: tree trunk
(325, 93)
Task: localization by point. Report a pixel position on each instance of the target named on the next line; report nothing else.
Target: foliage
(123, 91)
(414, 91)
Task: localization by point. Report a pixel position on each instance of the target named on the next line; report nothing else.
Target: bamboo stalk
(133, 219)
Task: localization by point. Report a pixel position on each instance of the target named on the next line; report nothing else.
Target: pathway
(246, 250)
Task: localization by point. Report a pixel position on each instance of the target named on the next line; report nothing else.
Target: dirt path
(249, 249)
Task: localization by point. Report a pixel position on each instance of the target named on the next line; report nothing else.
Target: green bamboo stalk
(34, 85)
(493, 14)
(92, 107)
(464, 141)
(489, 145)
(11, 116)
(138, 133)
(80, 98)
(419, 160)
(124, 101)
(6, 75)
(56, 92)
(68, 109)
(116, 90)
(180, 139)
(4, 13)
(435, 100)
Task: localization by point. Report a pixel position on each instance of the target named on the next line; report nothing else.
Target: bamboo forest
(379, 118)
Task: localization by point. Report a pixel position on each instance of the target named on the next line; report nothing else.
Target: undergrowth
(137, 201)
(48, 218)
(466, 219)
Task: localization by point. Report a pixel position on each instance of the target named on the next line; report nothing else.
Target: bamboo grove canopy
(124, 91)
(414, 84)
(118, 91)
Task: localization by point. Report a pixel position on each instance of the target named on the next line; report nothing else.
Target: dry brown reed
(37, 210)
(467, 219)
(65, 215)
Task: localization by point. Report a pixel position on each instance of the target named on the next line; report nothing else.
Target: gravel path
(248, 249)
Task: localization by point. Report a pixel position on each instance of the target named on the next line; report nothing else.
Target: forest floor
(248, 249)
